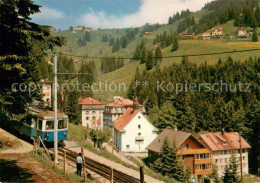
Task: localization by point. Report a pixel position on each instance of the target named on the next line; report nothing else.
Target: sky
(62, 14)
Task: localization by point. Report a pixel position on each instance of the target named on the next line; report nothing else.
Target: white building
(133, 132)
(92, 113)
(222, 145)
(116, 109)
(46, 90)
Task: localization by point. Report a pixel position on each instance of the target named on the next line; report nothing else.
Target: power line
(173, 56)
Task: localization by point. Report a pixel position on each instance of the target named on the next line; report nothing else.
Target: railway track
(99, 168)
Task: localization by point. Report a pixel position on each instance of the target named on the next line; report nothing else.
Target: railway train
(40, 122)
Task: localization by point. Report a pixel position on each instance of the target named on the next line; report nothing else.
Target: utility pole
(55, 110)
(241, 164)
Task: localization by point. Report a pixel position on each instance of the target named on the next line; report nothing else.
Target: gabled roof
(90, 101)
(217, 141)
(174, 136)
(122, 103)
(125, 119)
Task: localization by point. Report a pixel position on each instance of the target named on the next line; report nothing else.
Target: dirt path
(23, 168)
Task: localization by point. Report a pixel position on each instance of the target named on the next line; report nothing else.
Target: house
(186, 36)
(92, 113)
(46, 90)
(222, 145)
(133, 132)
(88, 29)
(147, 33)
(192, 151)
(77, 28)
(216, 31)
(242, 33)
(115, 110)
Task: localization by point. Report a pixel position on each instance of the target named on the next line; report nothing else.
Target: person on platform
(79, 164)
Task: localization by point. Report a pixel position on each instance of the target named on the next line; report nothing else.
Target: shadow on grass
(10, 172)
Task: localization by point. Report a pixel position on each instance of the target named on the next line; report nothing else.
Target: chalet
(206, 36)
(46, 90)
(115, 110)
(133, 132)
(242, 33)
(78, 28)
(92, 113)
(193, 152)
(147, 33)
(216, 33)
(186, 36)
(222, 145)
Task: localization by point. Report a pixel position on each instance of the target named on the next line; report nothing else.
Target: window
(127, 146)
(139, 126)
(93, 118)
(139, 134)
(49, 125)
(40, 125)
(48, 94)
(244, 150)
(203, 156)
(187, 146)
(48, 87)
(139, 117)
(62, 124)
(244, 158)
(87, 112)
(225, 152)
(87, 118)
(93, 112)
(216, 160)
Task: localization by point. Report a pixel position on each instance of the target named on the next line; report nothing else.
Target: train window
(49, 125)
(62, 124)
(39, 125)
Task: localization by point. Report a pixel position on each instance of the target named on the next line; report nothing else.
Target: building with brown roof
(92, 113)
(222, 145)
(193, 152)
(114, 110)
(133, 132)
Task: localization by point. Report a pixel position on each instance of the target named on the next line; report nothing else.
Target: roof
(174, 136)
(217, 141)
(43, 114)
(122, 103)
(125, 119)
(90, 101)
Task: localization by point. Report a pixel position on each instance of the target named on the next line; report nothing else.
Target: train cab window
(39, 125)
(49, 125)
(62, 124)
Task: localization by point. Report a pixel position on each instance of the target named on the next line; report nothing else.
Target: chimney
(222, 131)
(135, 103)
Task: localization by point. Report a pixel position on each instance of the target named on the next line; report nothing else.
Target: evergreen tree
(175, 45)
(111, 41)
(230, 172)
(23, 45)
(255, 36)
(149, 60)
(72, 107)
(125, 42)
(158, 55)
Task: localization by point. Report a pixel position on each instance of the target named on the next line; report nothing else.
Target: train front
(45, 126)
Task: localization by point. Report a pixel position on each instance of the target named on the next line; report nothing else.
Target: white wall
(98, 114)
(223, 160)
(132, 131)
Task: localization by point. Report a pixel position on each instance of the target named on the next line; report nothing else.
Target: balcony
(139, 138)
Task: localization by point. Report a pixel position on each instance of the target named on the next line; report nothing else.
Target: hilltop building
(115, 110)
(46, 90)
(216, 33)
(186, 36)
(77, 28)
(193, 152)
(92, 113)
(222, 145)
(242, 33)
(133, 132)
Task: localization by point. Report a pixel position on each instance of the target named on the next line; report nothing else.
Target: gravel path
(111, 163)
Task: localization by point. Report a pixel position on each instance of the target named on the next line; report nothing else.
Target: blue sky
(62, 14)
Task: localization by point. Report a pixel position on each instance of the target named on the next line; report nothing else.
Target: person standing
(79, 164)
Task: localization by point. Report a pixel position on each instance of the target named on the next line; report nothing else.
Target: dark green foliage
(214, 175)
(149, 62)
(70, 28)
(116, 46)
(111, 41)
(72, 107)
(230, 172)
(65, 65)
(109, 64)
(177, 16)
(168, 163)
(150, 28)
(158, 55)
(104, 38)
(23, 45)
(175, 44)
(164, 40)
(255, 36)
(99, 136)
(86, 38)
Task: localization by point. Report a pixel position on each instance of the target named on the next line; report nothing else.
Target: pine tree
(149, 62)
(158, 55)
(230, 172)
(255, 36)
(72, 107)
(175, 45)
(23, 45)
